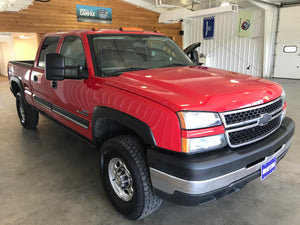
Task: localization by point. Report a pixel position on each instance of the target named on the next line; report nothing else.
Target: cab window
(72, 50)
(49, 46)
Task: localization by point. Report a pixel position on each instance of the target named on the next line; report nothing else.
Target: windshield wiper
(137, 68)
(131, 69)
(174, 64)
(120, 71)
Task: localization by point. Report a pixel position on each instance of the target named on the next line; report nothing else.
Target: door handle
(54, 84)
(35, 78)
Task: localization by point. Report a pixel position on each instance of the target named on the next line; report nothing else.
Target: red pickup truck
(165, 127)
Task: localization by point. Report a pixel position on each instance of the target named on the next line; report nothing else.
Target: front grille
(239, 117)
(254, 133)
(246, 126)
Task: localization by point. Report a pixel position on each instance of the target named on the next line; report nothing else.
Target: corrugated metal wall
(226, 50)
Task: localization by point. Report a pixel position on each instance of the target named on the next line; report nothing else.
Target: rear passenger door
(41, 87)
(71, 96)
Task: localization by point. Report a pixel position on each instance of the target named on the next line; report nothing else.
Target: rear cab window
(49, 46)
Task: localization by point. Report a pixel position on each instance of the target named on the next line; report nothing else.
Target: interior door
(287, 61)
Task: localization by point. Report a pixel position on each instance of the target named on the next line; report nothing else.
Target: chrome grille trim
(229, 128)
(227, 133)
(223, 114)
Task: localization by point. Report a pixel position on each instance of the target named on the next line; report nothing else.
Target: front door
(70, 97)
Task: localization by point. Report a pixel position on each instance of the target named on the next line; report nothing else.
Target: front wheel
(126, 178)
(29, 118)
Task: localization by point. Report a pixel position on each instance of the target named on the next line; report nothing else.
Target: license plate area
(268, 168)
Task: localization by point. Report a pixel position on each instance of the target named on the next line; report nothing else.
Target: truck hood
(197, 88)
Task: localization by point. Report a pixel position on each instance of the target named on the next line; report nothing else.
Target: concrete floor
(49, 176)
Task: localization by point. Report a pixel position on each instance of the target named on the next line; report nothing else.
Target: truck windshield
(116, 54)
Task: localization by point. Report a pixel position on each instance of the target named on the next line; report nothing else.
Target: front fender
(136, 125)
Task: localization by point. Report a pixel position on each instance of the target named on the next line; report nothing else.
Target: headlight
(203, 144)
(198, 120)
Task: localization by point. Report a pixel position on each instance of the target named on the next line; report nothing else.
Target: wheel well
(14, 88)
(108, 122)
(105, 129)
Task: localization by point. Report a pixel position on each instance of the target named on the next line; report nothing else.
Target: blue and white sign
(93, 14)
(268, 168)
(208, 27)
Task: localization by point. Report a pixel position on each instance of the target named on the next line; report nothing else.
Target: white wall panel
(287, 64)
(226, 50)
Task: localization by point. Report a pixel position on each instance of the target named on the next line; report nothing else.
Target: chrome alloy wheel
(120, 179)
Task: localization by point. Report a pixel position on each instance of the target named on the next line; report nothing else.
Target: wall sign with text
(93, 14)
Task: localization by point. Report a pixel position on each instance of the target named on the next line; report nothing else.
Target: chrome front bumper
(169, 184)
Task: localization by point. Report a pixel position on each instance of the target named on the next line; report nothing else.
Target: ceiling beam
(145, 5)
(183, 13)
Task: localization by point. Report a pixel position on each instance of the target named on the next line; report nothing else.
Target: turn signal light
(203, 144)
(95, 29)
(131, 29)
(185, 145)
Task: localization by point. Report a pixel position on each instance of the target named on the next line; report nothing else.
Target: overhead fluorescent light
(224, 4)
(23, 36)
(14, 5)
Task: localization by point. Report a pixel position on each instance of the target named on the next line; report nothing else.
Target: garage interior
(50, 176)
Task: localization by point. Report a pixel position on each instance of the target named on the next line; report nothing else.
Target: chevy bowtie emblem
(264, 119)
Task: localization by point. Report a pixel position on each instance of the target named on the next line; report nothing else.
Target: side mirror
(192, 53)
(194, 57)
(55, 66)
(82, 72)
(191, 47)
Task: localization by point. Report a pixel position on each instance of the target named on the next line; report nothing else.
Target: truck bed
(24, 63)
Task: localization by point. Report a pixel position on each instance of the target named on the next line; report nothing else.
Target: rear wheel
(29, 118)
(126, 178)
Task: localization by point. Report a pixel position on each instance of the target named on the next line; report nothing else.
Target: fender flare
(19, 83)
(138, 126)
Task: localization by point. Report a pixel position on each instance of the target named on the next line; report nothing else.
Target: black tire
(141, 201)
(29, 117)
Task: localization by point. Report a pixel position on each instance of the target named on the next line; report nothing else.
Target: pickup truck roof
(104, 31)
